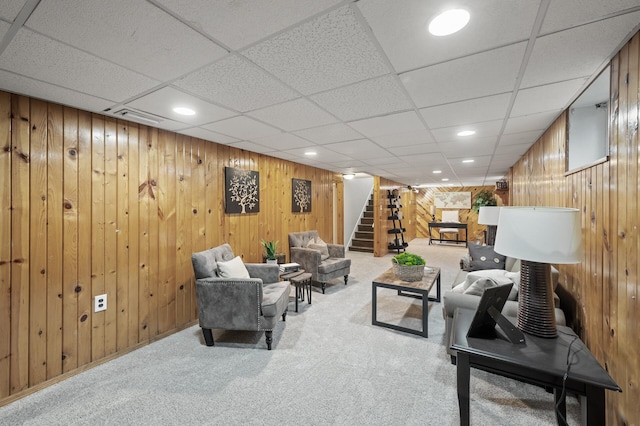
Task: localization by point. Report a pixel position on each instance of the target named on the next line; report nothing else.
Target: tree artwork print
(300, 195)
(242, 191)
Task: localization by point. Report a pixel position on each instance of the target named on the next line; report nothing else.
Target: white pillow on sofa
(234, 268)
(490, 278)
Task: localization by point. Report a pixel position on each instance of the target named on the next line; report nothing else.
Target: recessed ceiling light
(436, 172)
(184, 111)
(449, 22)
(468, 161)
(349, 176)
(310, 153)
(467, 133)
(445, 179)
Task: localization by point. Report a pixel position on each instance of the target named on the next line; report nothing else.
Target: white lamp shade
(540, 234)
(488, 215)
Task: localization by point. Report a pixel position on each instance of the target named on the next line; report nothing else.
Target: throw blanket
(477, 281)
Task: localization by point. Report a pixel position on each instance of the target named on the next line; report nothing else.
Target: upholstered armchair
(232, 295)
(323, 261)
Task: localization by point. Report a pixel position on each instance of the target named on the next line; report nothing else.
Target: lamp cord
(565, 376)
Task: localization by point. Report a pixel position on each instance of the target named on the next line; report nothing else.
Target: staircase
(363, 239)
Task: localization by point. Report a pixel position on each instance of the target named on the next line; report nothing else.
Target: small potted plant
(270, 250)
(483, 198)
(408, 266)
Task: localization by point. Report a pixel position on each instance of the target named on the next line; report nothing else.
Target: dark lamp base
(536, 314)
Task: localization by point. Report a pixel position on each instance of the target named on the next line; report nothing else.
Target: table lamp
(488, 215)
(538, 236)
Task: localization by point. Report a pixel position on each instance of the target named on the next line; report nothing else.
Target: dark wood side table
(457, 225)
(540, 361)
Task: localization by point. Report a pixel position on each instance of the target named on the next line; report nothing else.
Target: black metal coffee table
(418, 289)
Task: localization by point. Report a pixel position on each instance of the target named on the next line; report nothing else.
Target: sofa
(323, 261)
(487, 265)
(232, 295)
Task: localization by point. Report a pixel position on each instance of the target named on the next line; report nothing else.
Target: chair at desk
(450, 216)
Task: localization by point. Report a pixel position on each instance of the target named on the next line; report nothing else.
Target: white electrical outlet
(100, 303)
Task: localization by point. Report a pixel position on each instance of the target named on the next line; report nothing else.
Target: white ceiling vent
(128, 114)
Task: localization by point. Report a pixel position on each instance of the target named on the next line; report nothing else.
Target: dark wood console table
(540, 361)
(456, 225)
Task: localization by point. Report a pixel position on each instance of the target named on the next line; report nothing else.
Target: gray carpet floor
(328, 366)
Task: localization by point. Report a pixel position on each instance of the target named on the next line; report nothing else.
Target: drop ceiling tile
(237, 24)
(578, 52)
(322, 154)
(162, 101)
(424, 148)
(425, 160)
(235, 83)
(529, 137)
(208, 135)
(283, 141)
(370, 98)
(4, 27)
(483, 130)
(329, 51)
(550, 97)
(472, 111)
(38, 89)
(294, 115)
(251, 146)
(9, 9)
(488, 73)
(361, 149)
(243, 128)
(527, 123)
(479, 161)
(400, 29)
(389, 124)
(569, 13)
(384, 161)
(328, 134)
(39, 57)
(519, 149)
(481, 146)
(404, 139)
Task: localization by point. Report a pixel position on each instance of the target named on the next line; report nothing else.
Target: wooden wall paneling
(253, 242)
(156, 152)
(110, 233)
(196, 191)
(85, 302)
(70, 241)
(98, 234)
(38, 245)
(214, 210)
(184, 215)
(122, 296)
(170, 152)
(5, 243)
(133, 220)
(144, 194)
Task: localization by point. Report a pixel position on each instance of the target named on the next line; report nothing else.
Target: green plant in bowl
(408, 259)
(270, 248)
(484, 198)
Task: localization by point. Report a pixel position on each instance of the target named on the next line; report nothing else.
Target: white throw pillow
(233, 269)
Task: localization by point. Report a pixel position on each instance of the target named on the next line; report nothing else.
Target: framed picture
(242, 191)
(452, 200)
(300, 195)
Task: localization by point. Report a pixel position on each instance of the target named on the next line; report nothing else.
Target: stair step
(367, 214)
(365, 228)
(362, 249)
(360, 242)
(367, 235)
(366, 221)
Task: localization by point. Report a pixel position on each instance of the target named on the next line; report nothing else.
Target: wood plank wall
(424, 201)
(381, 223)
(93, 205)
(601, 293)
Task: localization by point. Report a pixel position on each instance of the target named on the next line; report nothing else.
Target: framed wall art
(300, 195)
(452, 200)
(242, 191)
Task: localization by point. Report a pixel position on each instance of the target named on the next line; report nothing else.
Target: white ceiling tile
(243, 128)
(465, 112)
(384, 161)
(9, 9)
(483, 130)
(162, 101)
(457, 161)
(330, 51)
(361, 149)
(403, 139)
(294, 115)
(208, 135)
(38, 89)
(550, 97)
(488, 73)
(4, 27)
(514, 149)
(328, 134)
(237, 84)
(283, 141)
(424, 148)
(527, 123)
(517, 138)
(425, 160)
(36, 56)
(369, 98)
(481, 146)
(251, 146)
(569, 13)
(578, 52)
(401, 29)
(322, 154)
(389, 124)
(239, 23)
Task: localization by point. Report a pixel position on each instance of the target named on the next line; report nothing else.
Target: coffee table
(417, 289)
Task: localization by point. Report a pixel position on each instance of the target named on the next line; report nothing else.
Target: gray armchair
(238, 303)
(334, 265)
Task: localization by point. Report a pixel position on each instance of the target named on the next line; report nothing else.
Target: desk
(539, 361)
(456, 225)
